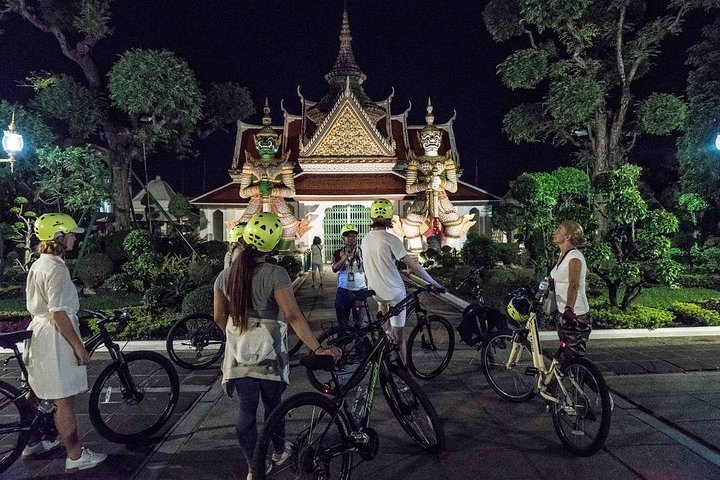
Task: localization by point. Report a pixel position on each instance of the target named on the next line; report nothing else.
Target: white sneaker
(280, 458)
(88, 459)
(249, 476)
(39, 448)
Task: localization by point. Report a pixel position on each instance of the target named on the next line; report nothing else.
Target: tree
(152, 84)
(637, 251)
(699, 160)
(584, 57)
(693, 206)
(539, 201)
(74, 179)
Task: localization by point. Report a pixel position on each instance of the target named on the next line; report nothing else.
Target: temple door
(335, 218)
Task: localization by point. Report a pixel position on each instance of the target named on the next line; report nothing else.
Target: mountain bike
(575, 391)
(479, 321)
(132, 398)
(201, 337)
(318, 434)
(429, 347)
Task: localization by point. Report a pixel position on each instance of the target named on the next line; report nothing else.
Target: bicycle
(429, 347)
(319, 435)
(132, 398)
(479, 321)
(199, 334)
(575, 391)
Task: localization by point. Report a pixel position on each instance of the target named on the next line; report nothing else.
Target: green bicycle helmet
(519, 309)
(349, 228)
(53, 225)
(236, 232)
(263, 231)
(381, 208)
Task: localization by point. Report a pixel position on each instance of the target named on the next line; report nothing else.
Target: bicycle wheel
(354, 349)
(314, 436)
(131, 401)
(430, 347)
(582, 418)
(195, 342)
(413, 409)
(510, 382)
(15, 418)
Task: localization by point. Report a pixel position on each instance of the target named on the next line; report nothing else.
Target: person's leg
(343, 305)
(248, 394)
(271, 393)
(320, 272)
(66, 424)
(398, 323)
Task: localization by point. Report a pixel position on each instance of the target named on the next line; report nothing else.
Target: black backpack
(479, 322)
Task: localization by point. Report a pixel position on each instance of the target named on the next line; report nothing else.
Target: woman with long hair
(254, 302)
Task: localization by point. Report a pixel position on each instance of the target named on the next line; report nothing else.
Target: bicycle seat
(318, 362)
(362, 295)
(8, 340)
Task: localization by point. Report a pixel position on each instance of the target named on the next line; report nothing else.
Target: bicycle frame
(544, 374)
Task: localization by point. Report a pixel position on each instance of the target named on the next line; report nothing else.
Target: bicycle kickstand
(477, 352)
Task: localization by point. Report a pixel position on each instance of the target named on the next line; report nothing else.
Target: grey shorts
(316, 267)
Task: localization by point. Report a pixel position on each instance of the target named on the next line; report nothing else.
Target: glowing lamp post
(717, 141)
(12, 143)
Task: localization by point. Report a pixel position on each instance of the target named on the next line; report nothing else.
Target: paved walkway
(667, 397)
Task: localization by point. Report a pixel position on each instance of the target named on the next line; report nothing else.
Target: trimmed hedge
(699, 280)
(637, 316)
(199, 300)
(692, 314)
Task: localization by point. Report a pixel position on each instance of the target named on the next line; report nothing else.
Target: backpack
(478, 322)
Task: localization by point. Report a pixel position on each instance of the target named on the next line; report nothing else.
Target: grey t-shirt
(266, 278)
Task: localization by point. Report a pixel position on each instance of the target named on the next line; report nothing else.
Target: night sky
(421, 48)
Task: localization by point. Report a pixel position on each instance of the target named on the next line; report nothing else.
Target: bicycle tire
(413, 409)
(306, 425)
(430, 347)
(15, 414)
(512, 384)
(200, 332)
(570, 421)
(345, 367)
(155, 391)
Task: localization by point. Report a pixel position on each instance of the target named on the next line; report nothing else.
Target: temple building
(346, 150)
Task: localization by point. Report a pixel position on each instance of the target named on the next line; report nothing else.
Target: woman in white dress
(56, 357)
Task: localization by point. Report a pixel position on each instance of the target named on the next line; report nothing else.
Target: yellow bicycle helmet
(236, 232)
(349, 228)
(519, 309)
(263, 231)
(50, 226)
(381, 208)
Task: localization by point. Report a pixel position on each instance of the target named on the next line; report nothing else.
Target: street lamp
(12, 143)
(717, 141)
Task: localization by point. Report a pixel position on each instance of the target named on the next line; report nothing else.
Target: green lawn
(663, 297)
(92, 302)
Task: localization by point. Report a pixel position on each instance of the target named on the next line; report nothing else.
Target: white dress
(53, 371)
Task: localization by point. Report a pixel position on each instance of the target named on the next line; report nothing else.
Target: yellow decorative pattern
(348, 136)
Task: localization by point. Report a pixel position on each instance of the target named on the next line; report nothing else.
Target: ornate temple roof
(344, 70)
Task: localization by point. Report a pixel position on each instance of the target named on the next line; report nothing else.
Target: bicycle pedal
(531, 371)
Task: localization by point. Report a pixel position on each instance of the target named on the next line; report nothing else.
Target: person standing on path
(56, 358)
(348, 264)
(253, 303)
(568, 280)
(316, 261)
(381, 249)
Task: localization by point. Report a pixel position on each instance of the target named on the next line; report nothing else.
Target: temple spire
(345, 64)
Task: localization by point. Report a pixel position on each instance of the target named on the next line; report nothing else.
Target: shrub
(112, 245)
(637, 316)
(95, 269)
(699, 280)
(508, 253)
(594, 285)
(706, 259)
(215, 250)
(137, 243)
(200, 272)
(120, 282)
(479, 251)
(148, 325)
(158, 296)
(498, 284)
(692, 314)
(199, 300)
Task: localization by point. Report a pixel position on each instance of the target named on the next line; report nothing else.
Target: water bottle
(542, 288)
(358, 410)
